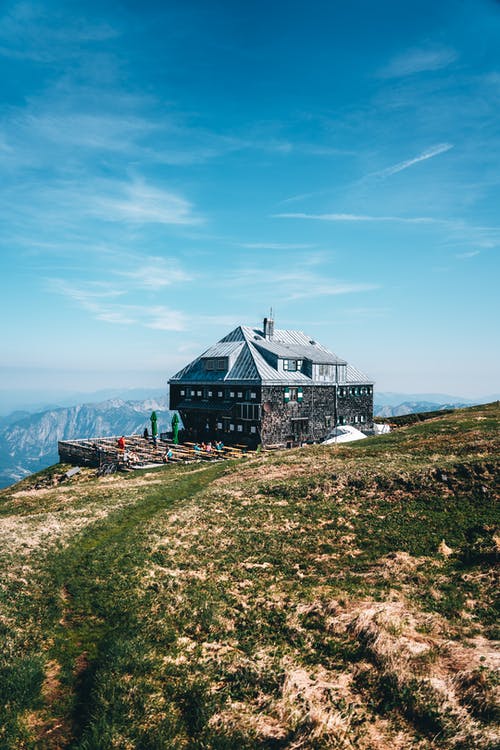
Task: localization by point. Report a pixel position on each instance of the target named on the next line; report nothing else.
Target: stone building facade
(274, 387)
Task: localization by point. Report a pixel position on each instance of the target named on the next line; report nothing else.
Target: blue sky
(170, 170)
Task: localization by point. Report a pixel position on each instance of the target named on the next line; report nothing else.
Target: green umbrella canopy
(154, 423)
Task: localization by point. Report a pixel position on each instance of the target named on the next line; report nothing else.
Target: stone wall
(312, 418)
(353, 406)
(296, 422)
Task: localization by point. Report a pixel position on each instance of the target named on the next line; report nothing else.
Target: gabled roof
(246, 349)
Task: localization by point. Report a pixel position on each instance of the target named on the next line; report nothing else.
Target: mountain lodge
(270, 386)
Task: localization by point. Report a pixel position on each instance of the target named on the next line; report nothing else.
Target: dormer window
(292, 365)
(219, 364)
(325, 371)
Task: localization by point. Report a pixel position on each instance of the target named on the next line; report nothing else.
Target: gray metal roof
(245, 346)
(356, 376)
(222, 349)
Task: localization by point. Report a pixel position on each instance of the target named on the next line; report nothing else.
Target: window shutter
(287, 395)
(299, 395)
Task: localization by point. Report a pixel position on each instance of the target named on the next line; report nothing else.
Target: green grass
(222, 606)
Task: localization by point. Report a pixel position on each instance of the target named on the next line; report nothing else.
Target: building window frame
(292, 365)
(216, 363)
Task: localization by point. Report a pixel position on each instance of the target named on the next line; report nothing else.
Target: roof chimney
(268, 327)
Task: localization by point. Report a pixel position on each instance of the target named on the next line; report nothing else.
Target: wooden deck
(104, 454)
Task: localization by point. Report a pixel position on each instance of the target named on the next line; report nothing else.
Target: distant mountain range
(28, 442)
(414, 407)
(28, 438)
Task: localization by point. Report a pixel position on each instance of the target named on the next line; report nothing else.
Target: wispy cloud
(440, 148)
(30, 32)
(153, 273)
(470, 254)
(96, 298)
(140, 203)
(163, 318)
(419, 60)
(276, 245)
(302, 197)
(299, 283)
(101, 303)
(362, 218)
(68, 202)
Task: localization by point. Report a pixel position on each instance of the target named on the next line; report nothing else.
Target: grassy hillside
(304, 599)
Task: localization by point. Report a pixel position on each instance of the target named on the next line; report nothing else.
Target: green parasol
(154, 424)
(175, 428)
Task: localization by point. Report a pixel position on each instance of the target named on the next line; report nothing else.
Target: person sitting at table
(209, 448)
(168, 455)
(197, 447)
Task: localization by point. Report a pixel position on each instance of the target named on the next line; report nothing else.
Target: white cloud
(164, 319)
(301, 197)
(299, 283)
(441, 148)
(275, 246)
(470, 254)
(419, 60)
(360, 217)
(139, 203)
(153, 273)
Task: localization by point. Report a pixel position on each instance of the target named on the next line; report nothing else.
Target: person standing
(121, 446)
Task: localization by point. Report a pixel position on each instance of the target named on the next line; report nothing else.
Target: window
(362, 418)
(239, 428)
(220, 394)
(219, 425)
(198, 393)
(183, 393)
(253, 429)
(249, 411)
(192, 393)
(231, 394)
(240, 394)
(328, 421)
(290, 365)
(293, 394)
(216, 364)
(231, 428)
(253, 394)
(324, 370)
(209, 394)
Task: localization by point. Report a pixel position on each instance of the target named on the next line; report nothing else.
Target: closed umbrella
(175, 428)
(154, 425)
